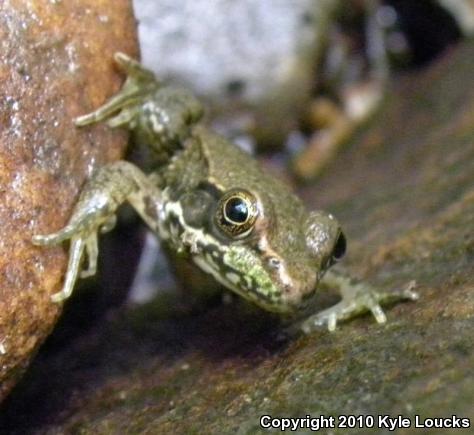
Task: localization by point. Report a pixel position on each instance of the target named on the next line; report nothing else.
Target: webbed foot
(358, 299)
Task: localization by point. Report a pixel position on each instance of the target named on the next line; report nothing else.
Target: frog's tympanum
(212, 202)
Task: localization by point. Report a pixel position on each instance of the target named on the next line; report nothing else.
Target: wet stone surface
(404, 191)
(52, 68)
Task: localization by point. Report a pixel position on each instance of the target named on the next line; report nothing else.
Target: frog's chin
(231, 280)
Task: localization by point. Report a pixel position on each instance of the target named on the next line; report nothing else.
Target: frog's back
(229, 167)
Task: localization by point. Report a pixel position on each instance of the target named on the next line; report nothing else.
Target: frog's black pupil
(236, 210)
(340, 247)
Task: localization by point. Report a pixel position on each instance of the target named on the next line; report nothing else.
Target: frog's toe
(60, 296)
(109, 224)
(76, 251)
(124, 61)
(119, 111)
(92, 251)
(378, 313)
(125, 117)
(320, 322)
(53, 238)
(325, 319)
(44, 239)
(406, 293)
(409, 293)
(133, 68)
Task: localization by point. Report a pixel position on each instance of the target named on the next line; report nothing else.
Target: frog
(211, 202)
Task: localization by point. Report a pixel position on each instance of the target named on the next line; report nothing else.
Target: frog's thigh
(357, 298)
(110, 187)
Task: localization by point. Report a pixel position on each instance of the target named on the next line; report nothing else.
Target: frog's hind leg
(357, 298)
(140, 82)
(95, 211)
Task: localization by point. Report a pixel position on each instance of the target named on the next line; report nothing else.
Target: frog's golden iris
(236, 213)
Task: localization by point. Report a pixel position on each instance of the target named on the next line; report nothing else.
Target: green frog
(212, 202)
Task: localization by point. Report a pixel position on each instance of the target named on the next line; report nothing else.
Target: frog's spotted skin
(211, 202)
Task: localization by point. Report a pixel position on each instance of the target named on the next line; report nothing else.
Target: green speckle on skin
(250, 265)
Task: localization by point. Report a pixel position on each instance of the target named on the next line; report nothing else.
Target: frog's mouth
(242, 271)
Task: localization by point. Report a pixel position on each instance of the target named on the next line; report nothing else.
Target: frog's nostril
(274, 262)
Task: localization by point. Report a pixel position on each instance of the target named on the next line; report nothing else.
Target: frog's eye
(236, 213)
(339, 248)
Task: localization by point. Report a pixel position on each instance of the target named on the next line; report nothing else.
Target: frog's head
(268, 248)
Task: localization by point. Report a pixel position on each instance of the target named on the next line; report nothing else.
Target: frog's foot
(140, 83)
(356, 300)
(82, 233)
(79, 242)
(95, 211)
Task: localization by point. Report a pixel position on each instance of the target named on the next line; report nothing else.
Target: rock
(55, 64)
(404, 192)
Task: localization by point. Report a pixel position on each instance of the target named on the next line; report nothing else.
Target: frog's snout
(300, 286)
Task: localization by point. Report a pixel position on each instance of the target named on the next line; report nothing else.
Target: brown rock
(55, 64)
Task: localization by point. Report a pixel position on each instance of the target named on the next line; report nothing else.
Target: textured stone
(55, 63)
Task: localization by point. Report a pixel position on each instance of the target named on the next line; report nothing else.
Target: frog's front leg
(140, 83)
(357, 298)
(110, 187)
(160, 116)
